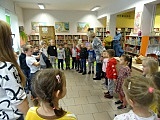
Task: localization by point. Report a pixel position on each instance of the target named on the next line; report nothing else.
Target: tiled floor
(85, 98)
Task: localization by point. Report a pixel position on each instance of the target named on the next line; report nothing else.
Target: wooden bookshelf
(34, 39)
(100, 32)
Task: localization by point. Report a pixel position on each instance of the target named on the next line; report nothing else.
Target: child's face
(44, 45)
(65, 45)
(104, 44)
(105, 54)
(60, 46)
(52, 43)
(82, 46)
(29, 52)
(36, 49)
(122, 61)
(145, 68)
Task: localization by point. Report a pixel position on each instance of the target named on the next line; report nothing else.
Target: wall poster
(62, 27)
(82, 27)
(35, 26)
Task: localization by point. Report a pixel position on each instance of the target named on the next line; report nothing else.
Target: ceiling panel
(65, 4)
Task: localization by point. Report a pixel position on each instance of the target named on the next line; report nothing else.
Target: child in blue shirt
(91, 59)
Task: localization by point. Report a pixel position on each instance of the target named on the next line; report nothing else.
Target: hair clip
(129, 86)
(150, 89)
(58, 78)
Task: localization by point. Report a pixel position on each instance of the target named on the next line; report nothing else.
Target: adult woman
(13, 102)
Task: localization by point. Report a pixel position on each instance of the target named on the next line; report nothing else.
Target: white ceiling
(86, 5)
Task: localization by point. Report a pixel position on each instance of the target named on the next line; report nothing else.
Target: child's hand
(114, 80)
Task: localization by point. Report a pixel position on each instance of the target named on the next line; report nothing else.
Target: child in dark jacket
(26, 70)
(91, 59)
(83, 57)
(78, 58)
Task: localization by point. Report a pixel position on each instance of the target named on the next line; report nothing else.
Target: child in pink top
(104, 66)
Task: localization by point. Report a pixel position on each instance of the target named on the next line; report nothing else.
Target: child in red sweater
(111, 73)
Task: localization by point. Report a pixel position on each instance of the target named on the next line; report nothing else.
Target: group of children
(140, 92)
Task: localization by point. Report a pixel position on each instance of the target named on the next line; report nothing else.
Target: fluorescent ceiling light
(41, 5)
(95, 8)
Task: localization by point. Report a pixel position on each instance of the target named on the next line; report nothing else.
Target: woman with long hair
(13, 101)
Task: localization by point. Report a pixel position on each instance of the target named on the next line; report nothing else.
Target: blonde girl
(140, 93)
(49, 86)
(150, 66)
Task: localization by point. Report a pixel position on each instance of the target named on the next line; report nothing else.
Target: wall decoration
(62, 27)
(137, 22)
(35, 26)
(82, 27)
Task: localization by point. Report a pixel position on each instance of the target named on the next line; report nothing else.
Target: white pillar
(112, 24)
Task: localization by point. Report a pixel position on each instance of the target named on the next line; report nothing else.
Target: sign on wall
(62, 27)
(82, 27)
(35, 26)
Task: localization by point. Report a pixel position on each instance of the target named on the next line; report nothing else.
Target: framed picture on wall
(62, 27)
(35, 26)
(82, 27)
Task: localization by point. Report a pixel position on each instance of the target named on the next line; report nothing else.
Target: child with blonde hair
(49, 86)
(150, 66)
(140, 93)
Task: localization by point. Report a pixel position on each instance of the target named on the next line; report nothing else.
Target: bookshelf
(132, 44)
(34, 39)
(70, 39)
(100, 32)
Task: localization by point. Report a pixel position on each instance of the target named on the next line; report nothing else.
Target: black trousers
(98, 70)
(78, 64)
(74, 63)
(60, 63)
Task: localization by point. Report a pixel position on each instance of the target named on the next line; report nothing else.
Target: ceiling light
(41, 5)
(95, 8)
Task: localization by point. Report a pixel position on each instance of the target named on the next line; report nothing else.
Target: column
(111, 24)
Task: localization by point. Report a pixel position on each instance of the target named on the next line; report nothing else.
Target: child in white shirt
(61, 56)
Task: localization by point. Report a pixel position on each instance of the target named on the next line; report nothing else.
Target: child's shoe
(118, 102)
(108, 96)
(83, 73)
(80, 71)
(121, 107)
(92, 72)
(89, 72)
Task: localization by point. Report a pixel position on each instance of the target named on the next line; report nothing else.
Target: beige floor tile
(87, 87)
(84, 93)
(68, 101)
(81, 100)
(72, 94)
(76, 109)
(101, 116)
(89, 108)
(85, 117)
(96, 92)
(93, 99)
(102, 107)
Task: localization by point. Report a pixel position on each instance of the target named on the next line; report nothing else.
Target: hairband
(58, 78)
(129, 86)
(150, 89)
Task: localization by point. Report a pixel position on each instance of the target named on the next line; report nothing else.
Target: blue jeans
(118, 49)
(83, 65)
(60, 61)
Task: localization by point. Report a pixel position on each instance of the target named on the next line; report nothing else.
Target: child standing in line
(83, 57)
(156, 105)
(74, 54)
(124, 72)
(44, 49)
(50, 87)
(52, 52)
(91, 59)
(68, 55)
(111, 73)
(140, 93)
(78, 58)
(25, 69)
(104, 66)
(150, 66)
(61, 56)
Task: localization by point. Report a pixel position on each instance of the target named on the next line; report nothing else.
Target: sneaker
(121, 107)
(118, 102)
(80, 71)
(96, 78)
(83, 73)
(106, 93)
(89, 72)
(108, 96)
(77, 70)
(92, 72)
